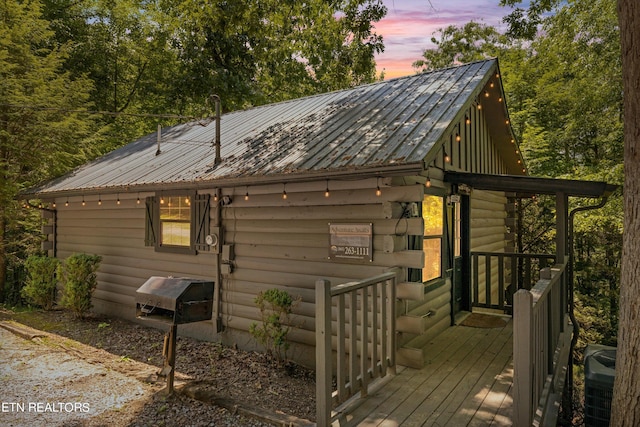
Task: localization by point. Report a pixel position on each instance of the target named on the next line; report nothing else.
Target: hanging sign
(351, 242)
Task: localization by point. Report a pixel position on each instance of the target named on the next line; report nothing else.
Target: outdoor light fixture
(83, 203)
(99, 200)
(447, 159)
(67, 202)
(118, 200)
(428, 183)
(246, 195)
(378, 191)
(467, 120)
(138, 200)
(326, 192)
(161, 199)
(458, 137)
(284, 191)
(53, 205)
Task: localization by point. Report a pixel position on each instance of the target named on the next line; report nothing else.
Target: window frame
(199, 223)
(434, 237)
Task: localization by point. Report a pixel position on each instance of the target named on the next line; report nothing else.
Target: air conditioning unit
(599, 375)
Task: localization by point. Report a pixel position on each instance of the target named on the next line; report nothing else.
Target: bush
(78, 275)
(276, 307)
(40, 288)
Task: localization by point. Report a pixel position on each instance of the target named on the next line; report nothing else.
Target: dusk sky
(408, 27)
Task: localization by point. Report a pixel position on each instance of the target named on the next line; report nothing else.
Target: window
(432, 214)
(177, 222)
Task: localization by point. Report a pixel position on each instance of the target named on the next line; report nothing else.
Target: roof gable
(391, 124)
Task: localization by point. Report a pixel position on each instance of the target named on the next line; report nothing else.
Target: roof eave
(405, 169)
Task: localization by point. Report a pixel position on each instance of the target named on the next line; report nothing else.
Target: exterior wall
(488, 233)
(117, 234)
(285, 244)
(277, 243)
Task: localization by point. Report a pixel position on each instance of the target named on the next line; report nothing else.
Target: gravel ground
(69, 359)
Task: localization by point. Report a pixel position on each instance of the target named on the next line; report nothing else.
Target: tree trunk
(3, 257)
(626, 394)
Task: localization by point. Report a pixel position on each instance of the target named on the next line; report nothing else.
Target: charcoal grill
(174, 301)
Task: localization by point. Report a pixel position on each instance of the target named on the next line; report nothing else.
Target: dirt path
(44, 384)
(54, 379)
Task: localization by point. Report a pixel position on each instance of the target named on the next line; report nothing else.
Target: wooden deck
(467, 381)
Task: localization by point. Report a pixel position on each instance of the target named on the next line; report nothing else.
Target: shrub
(276, 307)
(78, 275)
(40, 287)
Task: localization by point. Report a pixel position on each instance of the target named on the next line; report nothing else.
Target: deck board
(466, 382)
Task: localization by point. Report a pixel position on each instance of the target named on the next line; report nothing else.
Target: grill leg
(170, 360)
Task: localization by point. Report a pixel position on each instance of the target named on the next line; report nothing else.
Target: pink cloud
(409, 25)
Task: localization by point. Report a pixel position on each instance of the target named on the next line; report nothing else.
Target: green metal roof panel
(394, 122)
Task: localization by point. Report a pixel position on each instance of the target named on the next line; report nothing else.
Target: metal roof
(390, 125)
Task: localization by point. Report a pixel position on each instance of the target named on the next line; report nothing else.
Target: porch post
(562, 221)
(323, 352)
(523, 358)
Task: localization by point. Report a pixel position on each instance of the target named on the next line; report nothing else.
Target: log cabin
(418, 176)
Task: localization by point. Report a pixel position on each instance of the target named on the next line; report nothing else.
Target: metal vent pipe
(218, 159)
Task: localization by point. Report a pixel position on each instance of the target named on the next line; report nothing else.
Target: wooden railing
(541, 343)
(504, 274)
(365, 335)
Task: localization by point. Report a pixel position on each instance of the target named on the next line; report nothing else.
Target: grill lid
(167, 292)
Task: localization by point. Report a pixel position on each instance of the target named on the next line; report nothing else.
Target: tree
(259, 51)
(626, 392)
(35, 143)
(458, 45)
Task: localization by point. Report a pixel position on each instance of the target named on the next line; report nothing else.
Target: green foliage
(458, 45)
(40, 288)
(564, 91)
(78, 275)
(276, 307)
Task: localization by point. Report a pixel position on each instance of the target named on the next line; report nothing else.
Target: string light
(138, 200)
(491, 85)
(506, 121)
(428, 183)
(479, 106)
(486, 94)
(326, 192)
(83, 203)
(215, 196)
(67, 202)
(246, 195)
(467, 120)
(458, 138)
(161, 199)
(378, 191)
(118, 200)
(53, 204)
(99, 200)
(500, 99)
(446, 157)
(284, 191)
